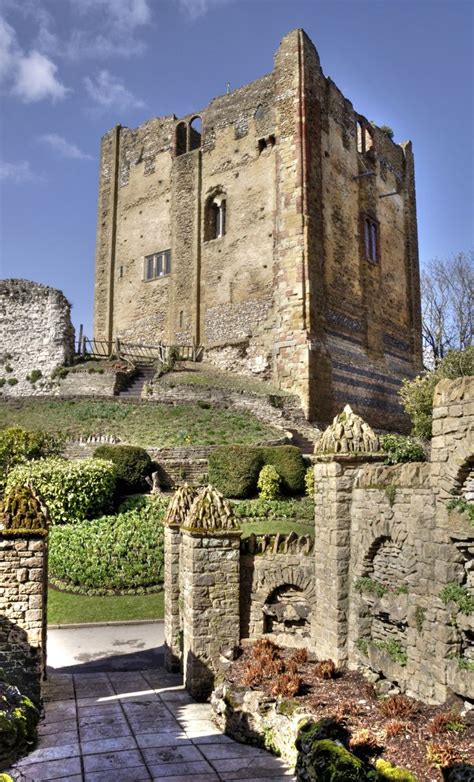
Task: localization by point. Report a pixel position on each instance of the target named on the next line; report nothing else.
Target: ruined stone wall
(36, 336)
(387, 547)
(23, 611)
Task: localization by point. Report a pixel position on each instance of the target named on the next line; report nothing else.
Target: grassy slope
(147, 425)
(66, 608)
(207, 376)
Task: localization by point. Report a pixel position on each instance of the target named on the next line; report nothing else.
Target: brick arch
(460, 461)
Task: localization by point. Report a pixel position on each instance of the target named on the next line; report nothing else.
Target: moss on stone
(328, 761)
(388, 773)
(287, 707)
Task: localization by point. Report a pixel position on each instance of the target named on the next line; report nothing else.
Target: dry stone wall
(23, 610)
(36, 336)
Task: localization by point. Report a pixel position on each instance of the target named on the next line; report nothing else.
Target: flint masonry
(277, 228)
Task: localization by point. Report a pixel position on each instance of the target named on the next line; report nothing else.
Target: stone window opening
(188, 136)
(215, 218)
(181, 143)
(157, 265)
(365, 139)
(371, 239)
(195, 133)
(267, 142)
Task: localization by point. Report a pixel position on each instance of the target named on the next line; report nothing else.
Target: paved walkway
(133, 726)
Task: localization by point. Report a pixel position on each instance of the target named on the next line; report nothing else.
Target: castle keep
(277, 228)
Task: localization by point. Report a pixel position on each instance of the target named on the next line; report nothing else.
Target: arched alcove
(286, 611)
(195, 133)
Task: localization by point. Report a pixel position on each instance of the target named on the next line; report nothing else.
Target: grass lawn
(206, 376)
(64, 608)
(143, 424)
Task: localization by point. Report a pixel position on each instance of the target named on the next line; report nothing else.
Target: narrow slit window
(371, 239)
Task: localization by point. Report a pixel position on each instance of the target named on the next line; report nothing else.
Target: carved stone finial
(348, 433)
(211, 511)
(180, 505)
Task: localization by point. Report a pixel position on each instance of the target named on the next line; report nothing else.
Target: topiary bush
(18, 719)
(22, 510)
(119, 553)
(133, 465)
(417, 394)
(269, 483)
(399, 448)
(234, 470)
(72, 491)
(288, 461)
(18, 446)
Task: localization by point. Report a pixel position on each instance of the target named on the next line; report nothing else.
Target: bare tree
(447, 300)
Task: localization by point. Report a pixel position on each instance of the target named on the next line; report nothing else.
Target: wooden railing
(136, 352)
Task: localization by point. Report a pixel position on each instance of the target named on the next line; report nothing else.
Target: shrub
(18, 446)
(12, 381)
(309, 481)
(398, 706)
(18, 720)
(72, 491)
(417, 394)
(286, 685)
(132, 464)
(401, 449)
(301, 510)
(34, 375)
(269, 483)
(234, 469)
(325, 669)
(119, 553)
(288, 461)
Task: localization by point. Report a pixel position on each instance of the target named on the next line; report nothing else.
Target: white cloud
(109, 93)
(35, 79)
(196, 8)
(118, 21)
(9, 50)
(16, 173)
(64, 148)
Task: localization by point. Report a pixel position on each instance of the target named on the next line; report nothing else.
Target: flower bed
(18, 720)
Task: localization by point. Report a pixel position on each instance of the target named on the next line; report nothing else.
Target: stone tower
(277, 228)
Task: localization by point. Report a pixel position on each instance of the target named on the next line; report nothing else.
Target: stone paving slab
(136, 726)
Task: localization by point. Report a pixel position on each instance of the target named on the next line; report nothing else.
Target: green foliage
(370, 586)
(22, 510)
(464, 664)
(420, 614)
(18, 446)
(387, 130)
(59, 372)
(18, 720)
(12, 381)
(288, 461)
(234, 469)
(394, 650)
(112, 553)
(462, 506)
(459, 595)
(309, 481)
(72, 491)
(269, 483)
(362, 645)
(391, 493)
(34, 375)
(417, 394)
(388, 773)
(401, 449)
(298, 509)
(132, 464)
(2, 382)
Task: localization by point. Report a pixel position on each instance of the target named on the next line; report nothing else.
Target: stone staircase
(134, 387)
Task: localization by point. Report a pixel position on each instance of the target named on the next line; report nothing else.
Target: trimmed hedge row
(72, 491)
(133, 465)
(119, 553)
(234, 469)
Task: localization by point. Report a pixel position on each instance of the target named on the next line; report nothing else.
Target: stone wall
(23, 561)
(286, 291)
(36, 336)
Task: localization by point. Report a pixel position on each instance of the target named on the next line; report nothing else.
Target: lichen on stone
(180, 505)
(348, 433)
(23, 509)
(211, 511)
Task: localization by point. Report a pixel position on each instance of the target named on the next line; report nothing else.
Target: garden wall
(23, 559)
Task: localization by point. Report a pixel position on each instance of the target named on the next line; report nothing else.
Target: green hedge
(72, 491)
(114, 553)
(300, 510)
(234, 469)
(18, 720)
(132, 463)
(18, 446)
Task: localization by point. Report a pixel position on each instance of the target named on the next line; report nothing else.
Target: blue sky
(71, 69)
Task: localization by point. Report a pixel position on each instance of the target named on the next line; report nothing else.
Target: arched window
(371, 239)
(365, 139)
(181, 138)
(215, 217)
(195, 133)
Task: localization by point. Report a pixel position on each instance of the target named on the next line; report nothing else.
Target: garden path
(116, 726)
